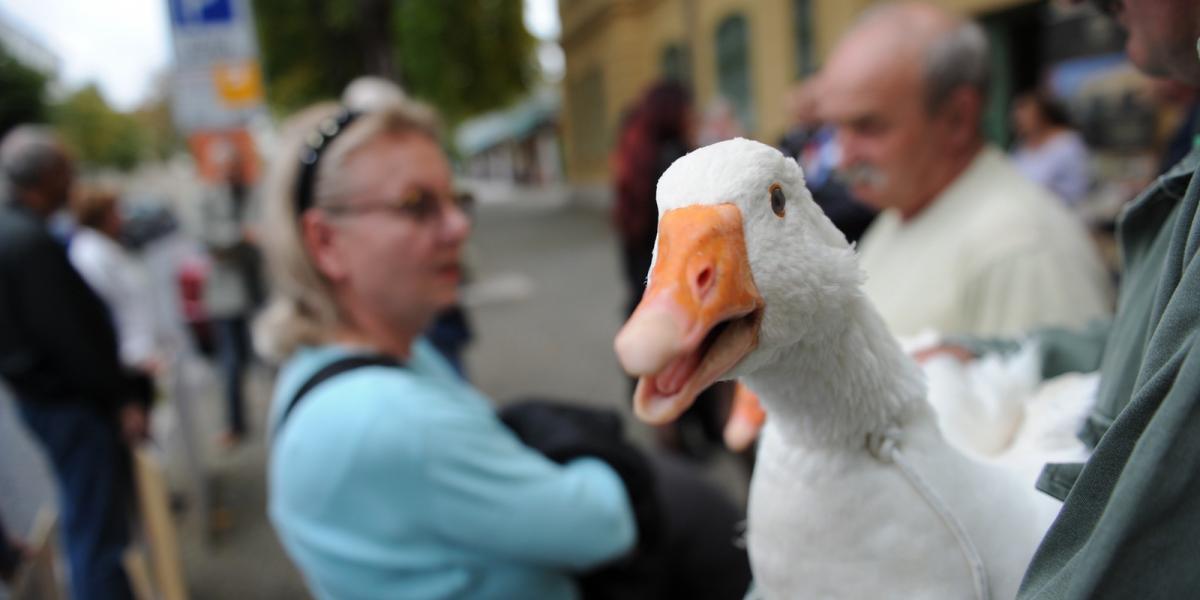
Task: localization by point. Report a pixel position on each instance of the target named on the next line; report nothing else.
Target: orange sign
(238, 84)
(220, 154)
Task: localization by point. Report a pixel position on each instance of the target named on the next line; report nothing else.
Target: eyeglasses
(420, 205)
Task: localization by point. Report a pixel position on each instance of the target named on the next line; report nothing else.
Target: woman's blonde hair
(301, 310)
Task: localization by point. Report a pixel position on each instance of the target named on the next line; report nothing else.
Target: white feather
(998, 409)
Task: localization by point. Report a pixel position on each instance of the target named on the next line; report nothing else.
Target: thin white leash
(885, 447)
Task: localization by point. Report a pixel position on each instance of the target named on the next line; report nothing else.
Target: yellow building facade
(757, 49)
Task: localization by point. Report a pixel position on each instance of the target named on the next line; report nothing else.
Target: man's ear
(963, 114)
(317, 236)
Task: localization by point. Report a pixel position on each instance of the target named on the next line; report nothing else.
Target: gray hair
(302, 310)
(957, 58)
(28, 153)
(956, 51)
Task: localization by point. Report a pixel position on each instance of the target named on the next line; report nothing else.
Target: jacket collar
(1169, 187)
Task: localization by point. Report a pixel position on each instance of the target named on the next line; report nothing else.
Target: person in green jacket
(1130, 521)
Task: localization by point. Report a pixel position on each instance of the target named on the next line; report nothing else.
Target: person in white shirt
(116, 276)
(965, 244)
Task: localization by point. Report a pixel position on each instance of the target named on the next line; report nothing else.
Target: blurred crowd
(392, 476)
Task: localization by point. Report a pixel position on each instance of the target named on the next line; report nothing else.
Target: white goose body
(831, 518)
(751, 280)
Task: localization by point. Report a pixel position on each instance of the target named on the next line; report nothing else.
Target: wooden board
(38, 579)
(161, 538)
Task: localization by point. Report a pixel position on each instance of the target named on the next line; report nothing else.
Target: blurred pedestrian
(59, 354)
(389, 476)
(230, 285)
(657, 131)
(804, 118)
(719, 122)
(1181, 101)
(12, 554)
(1049, 150)
(964, 244)
(117, 277)
(813, 144)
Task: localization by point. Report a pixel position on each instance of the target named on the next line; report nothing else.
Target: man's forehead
(858, 93)
(863, 58)
(875, 48)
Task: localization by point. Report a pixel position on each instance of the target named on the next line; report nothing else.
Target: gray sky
(123, 44)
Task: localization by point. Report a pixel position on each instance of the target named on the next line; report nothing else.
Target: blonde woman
(389, 476)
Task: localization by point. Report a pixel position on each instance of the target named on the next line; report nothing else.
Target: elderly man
(58, 352)
(813, 144)
(965, 245)
(1131, 513)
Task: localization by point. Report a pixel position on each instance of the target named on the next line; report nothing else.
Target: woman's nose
(455, 223)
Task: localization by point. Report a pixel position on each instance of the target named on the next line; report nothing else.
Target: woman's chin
(449, 297)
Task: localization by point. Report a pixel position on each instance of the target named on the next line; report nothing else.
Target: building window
(675, 65)
(590, 132)
(733, 67)
(802, 24)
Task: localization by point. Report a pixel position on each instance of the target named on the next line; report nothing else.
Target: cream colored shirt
(994, 254)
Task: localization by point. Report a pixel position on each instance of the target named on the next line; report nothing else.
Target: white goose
(855, 493)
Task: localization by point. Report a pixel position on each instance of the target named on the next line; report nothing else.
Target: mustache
(862, 175)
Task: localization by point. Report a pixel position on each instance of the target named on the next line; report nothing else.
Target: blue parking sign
(190, 13)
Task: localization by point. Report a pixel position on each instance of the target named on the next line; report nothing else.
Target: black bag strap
(331, 370)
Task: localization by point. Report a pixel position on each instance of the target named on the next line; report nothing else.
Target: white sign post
(217, 82)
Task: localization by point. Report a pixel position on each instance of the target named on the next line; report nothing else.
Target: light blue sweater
(402, 483)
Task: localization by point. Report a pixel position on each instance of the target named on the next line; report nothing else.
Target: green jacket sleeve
(1130, 527)
(1072, 351)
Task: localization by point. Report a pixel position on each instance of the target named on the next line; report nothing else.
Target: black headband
(314, 145)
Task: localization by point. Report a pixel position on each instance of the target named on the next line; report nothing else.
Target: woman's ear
(318, 236)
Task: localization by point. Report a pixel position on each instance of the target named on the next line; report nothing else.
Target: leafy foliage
(160, 139)
(98, 134)
(462, 56)
(22, 94)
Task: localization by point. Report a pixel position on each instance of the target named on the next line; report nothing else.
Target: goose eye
(777, 200)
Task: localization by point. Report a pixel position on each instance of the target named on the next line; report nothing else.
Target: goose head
(745, 265)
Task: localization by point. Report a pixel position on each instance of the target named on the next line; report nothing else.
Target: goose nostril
(704, 281)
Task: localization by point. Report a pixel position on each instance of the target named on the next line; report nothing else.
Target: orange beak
(700, 315)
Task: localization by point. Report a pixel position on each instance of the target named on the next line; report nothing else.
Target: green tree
(160, 139)
(462, 56)
(99, 135)
(22, 93)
